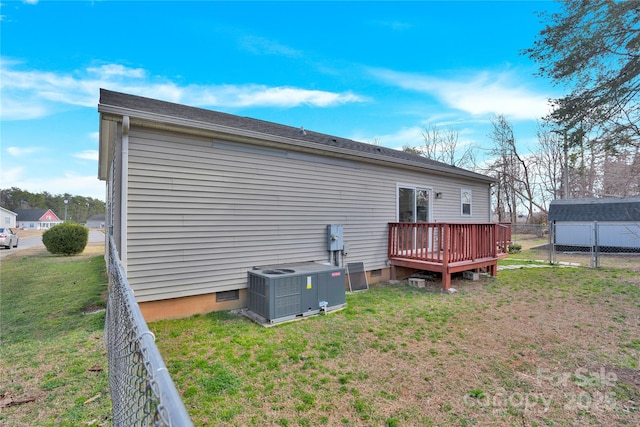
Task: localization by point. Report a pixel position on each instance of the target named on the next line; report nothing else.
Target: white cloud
(410, 136)
(9, 175)
(88, 186)
(481, 94)
(87, 155)
(32, 94)
(244, 96)
(262, 46)
(19, 151)
(111, 70)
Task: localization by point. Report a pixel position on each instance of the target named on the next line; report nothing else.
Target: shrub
(66, 239)
(514, 248)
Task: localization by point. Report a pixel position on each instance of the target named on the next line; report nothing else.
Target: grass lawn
(51, 348)
(535, 347)
(545, 346)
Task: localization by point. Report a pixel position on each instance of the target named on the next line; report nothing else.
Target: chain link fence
(142, 392)
(588, 243)
(596, 244)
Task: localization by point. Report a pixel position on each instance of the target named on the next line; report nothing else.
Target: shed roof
(114, 104)
(602, 209)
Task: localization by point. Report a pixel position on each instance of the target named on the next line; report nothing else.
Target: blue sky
(370, 71)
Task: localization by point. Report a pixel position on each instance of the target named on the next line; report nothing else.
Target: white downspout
(124, 187)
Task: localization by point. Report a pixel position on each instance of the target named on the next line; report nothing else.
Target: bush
(514, 248)
(66, 239)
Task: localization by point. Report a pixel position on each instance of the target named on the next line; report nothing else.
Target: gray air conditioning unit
(281, 293)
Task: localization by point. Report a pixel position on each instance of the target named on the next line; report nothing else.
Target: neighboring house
(37, 219)
(96, 221)
(197, 198)
(7, 218)
(611, 222)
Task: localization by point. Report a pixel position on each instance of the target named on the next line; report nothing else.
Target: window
(465, 202)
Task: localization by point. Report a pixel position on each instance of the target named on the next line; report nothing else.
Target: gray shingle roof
(608, 209)
(168, 109)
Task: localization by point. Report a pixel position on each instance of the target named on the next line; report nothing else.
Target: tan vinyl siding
(202, 212)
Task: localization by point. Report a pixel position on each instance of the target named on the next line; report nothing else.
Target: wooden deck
(447, 248)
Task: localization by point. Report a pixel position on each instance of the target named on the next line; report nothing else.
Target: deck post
(474, 241)
(446, 246)
(446, 280)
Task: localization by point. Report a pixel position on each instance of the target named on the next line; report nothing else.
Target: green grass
(395, 356)
(51, 331)
(404, 356)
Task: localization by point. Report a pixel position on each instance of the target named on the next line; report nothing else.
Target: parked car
(8, 238)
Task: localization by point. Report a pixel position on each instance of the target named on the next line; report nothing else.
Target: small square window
(465, 202)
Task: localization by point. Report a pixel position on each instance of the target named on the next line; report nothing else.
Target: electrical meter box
(334, 237)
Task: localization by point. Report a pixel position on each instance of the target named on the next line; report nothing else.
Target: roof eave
(111, 115)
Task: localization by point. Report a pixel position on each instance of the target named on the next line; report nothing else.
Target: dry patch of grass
(23, 234)
(52, 358)
(540, 347)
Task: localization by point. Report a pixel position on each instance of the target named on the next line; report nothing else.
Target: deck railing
(446, 243)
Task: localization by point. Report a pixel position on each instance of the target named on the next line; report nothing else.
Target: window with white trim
(465, 202)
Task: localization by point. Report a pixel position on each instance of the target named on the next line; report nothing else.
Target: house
(7, 218)
(197, 198)
(37, 219)
(607, 222)
(96, 221)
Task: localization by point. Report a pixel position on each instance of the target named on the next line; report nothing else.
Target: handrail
(447, 242)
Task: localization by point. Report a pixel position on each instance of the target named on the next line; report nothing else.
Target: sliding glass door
(414, 205)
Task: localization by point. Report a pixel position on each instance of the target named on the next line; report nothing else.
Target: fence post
(552, 240)
(596, 248)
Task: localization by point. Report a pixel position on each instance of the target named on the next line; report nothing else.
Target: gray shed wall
(615, 234)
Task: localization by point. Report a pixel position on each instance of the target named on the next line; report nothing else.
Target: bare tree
(515, 176)
(549, 161)
(444, 147)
